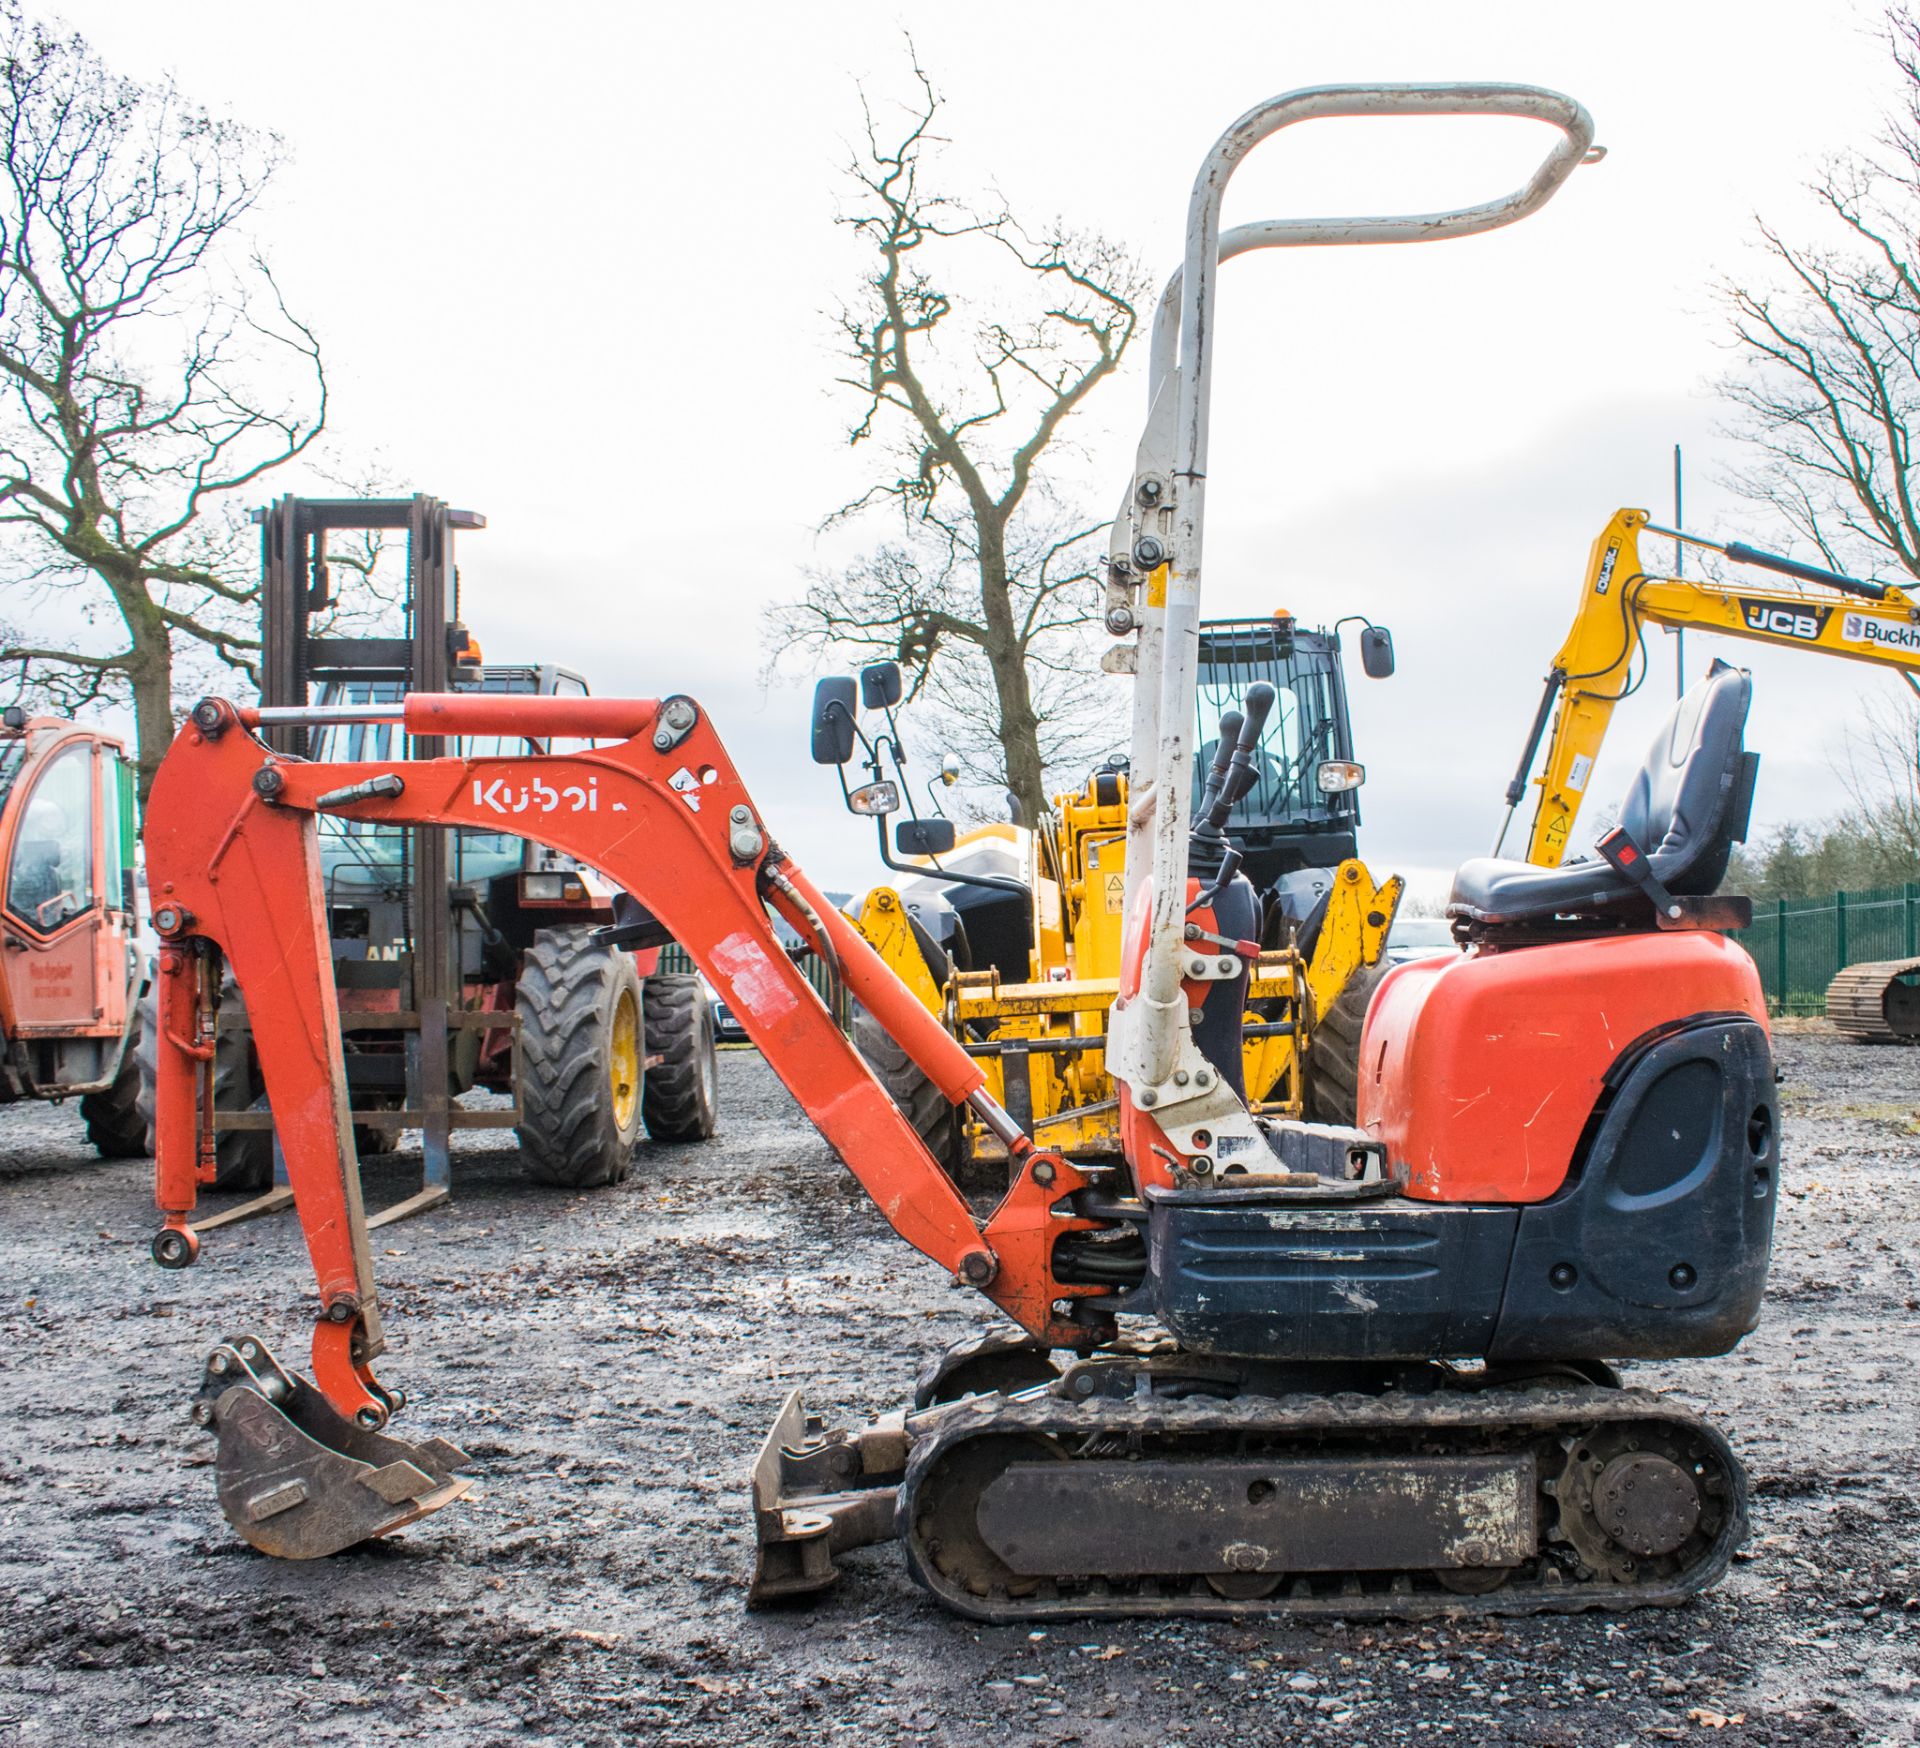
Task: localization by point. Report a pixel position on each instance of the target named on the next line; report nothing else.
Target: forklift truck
(462, 959)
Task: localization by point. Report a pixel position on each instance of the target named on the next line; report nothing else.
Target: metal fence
(1800, 944)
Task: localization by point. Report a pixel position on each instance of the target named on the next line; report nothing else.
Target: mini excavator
(1259, 1366)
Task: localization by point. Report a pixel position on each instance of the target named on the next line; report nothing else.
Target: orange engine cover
(1479, 1070)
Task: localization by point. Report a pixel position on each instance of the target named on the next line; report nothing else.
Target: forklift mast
(297, 586)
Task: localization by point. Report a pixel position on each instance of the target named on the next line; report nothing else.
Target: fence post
(1913, 941)
(1840, 931)
(1780, 954)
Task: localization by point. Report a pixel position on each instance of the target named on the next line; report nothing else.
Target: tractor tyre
(1331, 1089)
(937, 1123)
(371, 1143)
(118, 1121)
(581, 1060)
(680, 1092)
(242, 1158)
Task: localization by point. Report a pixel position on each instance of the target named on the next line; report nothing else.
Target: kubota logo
(541, 796)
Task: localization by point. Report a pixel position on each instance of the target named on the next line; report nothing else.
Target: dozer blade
(1878, 1002)
(298, 1480)
(817, 1494)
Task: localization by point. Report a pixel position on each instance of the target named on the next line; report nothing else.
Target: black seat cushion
(1686, 807)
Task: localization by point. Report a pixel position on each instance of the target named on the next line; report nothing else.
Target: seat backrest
(1687, 805)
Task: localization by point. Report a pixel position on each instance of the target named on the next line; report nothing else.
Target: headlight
(875, 798)
(552, 889)
(1337, 776)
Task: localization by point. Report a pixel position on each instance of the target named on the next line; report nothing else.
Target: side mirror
(1376, 651)
(833, 705)
(949, 769)
(923, 837)
(880, 685)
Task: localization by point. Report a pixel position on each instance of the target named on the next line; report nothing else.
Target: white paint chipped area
(754, 984)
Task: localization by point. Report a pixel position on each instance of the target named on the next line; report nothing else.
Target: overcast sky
(573, 266)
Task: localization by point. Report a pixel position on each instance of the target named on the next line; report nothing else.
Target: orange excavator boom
(233, 867)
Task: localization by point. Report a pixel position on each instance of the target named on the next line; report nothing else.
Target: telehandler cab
(71, 971)
(1379, 1381)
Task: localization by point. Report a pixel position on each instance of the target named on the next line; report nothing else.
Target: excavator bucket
(299, 1480)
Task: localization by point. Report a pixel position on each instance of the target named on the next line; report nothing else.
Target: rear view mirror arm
(992, 881)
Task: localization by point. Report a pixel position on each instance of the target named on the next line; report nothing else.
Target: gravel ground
(613, 1359)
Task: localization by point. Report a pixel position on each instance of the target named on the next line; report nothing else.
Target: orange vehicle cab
(69, 977)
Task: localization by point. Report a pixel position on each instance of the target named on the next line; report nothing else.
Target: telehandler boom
(1379, 1383)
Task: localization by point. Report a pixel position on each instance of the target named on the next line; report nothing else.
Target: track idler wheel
(1635, 1507)
(297, 1479)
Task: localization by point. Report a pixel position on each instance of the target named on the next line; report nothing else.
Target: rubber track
(566, 997)
(1479, 1420)
(117, 1119)
(1857, 1001)
(679, 1097)
(1332, 1090)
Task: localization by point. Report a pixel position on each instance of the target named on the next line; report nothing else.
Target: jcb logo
(1771, 619)
(1608, 560)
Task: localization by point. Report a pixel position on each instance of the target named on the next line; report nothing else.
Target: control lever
(1211, 856)
(1242, 773)
(1223, 748)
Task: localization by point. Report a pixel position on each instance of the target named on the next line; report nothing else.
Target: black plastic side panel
(1659, 1247)
(1238, 1272)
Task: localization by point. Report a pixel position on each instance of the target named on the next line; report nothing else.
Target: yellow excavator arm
(1836, 615)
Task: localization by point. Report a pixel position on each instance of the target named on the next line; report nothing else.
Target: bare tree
(984, 596)
(1880, 771)
(148, 371)
(1828, 336)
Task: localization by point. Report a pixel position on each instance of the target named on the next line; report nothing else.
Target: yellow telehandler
(1012, 932)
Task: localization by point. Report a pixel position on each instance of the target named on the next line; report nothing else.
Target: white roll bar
(1157, 536)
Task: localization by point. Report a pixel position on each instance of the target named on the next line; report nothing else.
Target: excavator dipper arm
(233, 865)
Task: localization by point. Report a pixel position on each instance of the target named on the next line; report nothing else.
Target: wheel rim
(709, 1067)
(623, 1059)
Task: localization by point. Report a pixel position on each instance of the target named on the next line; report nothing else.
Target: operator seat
(1686, 809)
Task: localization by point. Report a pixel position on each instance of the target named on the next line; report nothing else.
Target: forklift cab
(359, 858)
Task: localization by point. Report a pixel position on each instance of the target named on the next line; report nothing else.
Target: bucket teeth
(297, 1479)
